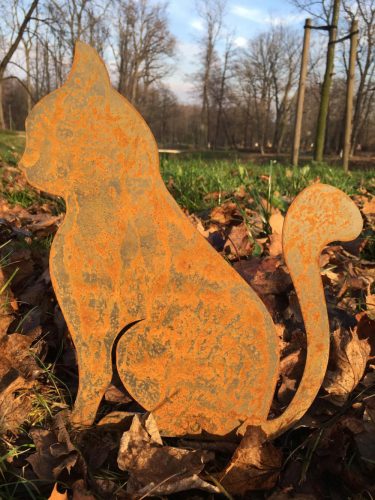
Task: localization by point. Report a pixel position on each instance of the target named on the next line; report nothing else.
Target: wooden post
(349, 95)
(326, 87)
(301, 93)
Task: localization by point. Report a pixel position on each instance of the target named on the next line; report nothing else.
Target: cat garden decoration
(193, 343)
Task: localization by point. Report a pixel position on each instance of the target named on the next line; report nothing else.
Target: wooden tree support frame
(193, 342)
(349, 95)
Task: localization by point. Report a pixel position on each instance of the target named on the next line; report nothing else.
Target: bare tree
(364, 12)
(73, 20)
(319, 9)
(211, 12)
(143, 46)
(284, 57)
(222, 72)
(12, 43)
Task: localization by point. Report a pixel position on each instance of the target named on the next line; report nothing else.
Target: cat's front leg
(95, 373)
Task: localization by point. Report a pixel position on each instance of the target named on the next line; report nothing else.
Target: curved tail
(319, 215)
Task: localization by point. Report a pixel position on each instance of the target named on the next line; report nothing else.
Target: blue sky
(245, 17)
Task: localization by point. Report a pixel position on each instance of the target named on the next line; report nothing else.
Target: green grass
(195, 175)
(193, 179)
(12, 145)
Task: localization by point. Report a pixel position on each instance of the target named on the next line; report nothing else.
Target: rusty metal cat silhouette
(193, 342)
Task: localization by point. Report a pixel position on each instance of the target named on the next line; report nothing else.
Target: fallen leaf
(291, 370)
(369, 206)
(15, 402)
(55, 454)
(43, 224)
(276, 221)
(155, 469)
(349, 355)
(255, 465)
(266, 276)
(240, 192)
(365, 330)
(215, 196)
(80, 492)
(238, 244)
(21, 264)
(6, 298)
(370, 305)
(275, 246)
(114, 395)
(18, 371)
(226, 213)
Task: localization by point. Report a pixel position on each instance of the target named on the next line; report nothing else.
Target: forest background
(238, 92)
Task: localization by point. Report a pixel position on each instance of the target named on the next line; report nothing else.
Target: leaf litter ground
(329, 454)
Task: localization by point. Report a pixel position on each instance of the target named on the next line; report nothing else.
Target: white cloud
(240, 41)
(287, 19)
(260, 17)
(197, 24)
(255, 15)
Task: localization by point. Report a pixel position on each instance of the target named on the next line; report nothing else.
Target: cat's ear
(88, 76)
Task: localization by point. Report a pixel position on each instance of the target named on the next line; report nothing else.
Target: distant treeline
(244, 97)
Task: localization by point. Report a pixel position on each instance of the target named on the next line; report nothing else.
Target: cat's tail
(319, 215)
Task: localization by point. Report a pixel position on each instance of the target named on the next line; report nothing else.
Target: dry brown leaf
(114, 395)
(6, 298)
(44, 224)
(80, 491)
(255, 464)
(21, 263)
(369, 206)
(276, 222)
(225, 213)
(55, 452)
(238, 242)
(365, 330)
(15, 403)
(291, 369)
(18, 370)
(370, 305)
(215, 196)
(266, 276)
(156, 469)
(197, 223)
(349, 355)
(56, 495)
(276, 246)
(240, 192)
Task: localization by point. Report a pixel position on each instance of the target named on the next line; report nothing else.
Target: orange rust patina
(193, 342)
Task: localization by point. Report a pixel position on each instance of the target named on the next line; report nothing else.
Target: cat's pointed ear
(88, 75)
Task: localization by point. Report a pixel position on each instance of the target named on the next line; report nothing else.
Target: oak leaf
(255, 464)
(349, 355)
(155, 469)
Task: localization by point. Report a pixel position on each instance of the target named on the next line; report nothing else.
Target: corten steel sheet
(201, 351)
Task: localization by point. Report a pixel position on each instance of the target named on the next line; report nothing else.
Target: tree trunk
(349, 95)
(324, 101)
(301, 93)
(2, 122)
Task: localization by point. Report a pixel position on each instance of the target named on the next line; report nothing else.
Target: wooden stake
(326, 87)
(301, 92)
(349, 95)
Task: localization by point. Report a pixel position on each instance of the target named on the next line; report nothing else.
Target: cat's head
(85, 133)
